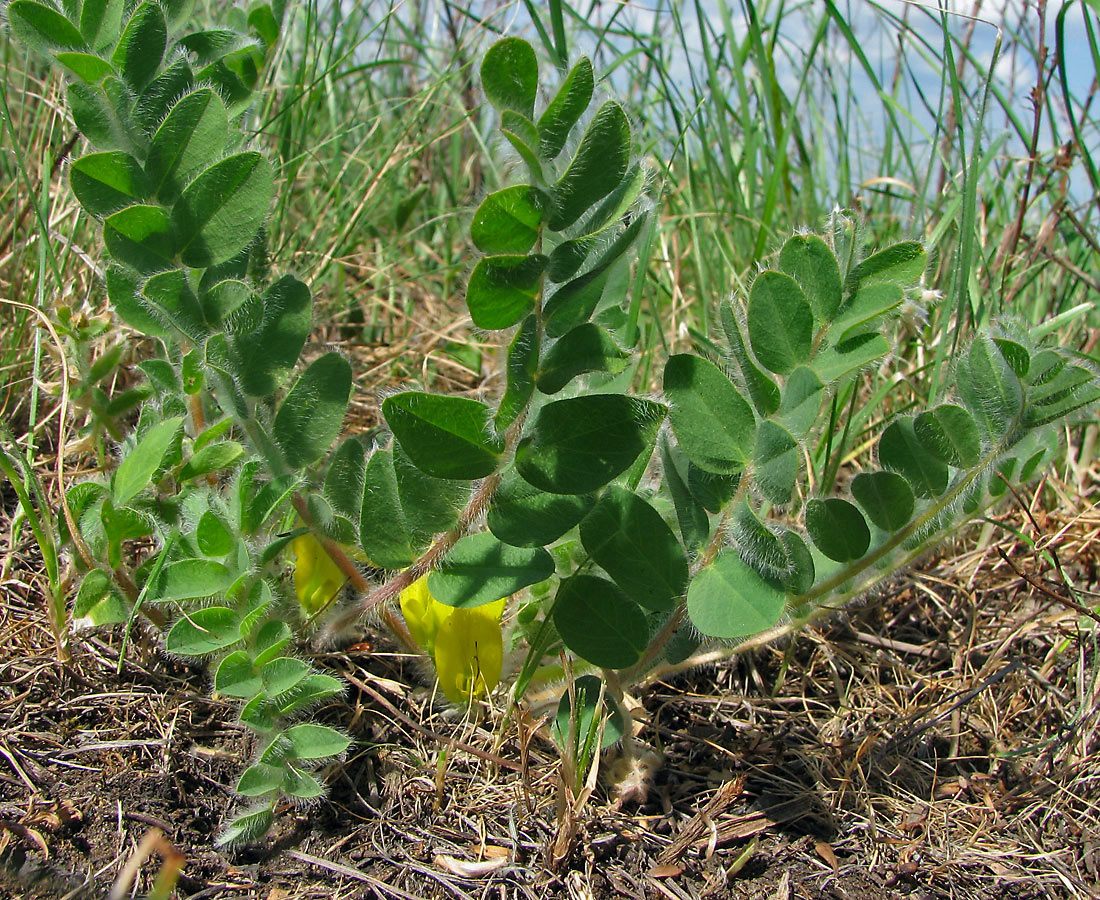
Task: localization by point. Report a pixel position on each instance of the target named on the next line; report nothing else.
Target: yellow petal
(423, 614)
(469, 652)
(317, 579)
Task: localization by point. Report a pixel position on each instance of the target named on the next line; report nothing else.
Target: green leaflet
(161, 94)
(867, 306)
(523, 360)
(446, 437)
(810, 262)
(587, 348)
(600, 623)
(263, 355)
(312, 415)
(204, 631)
(431, 505)
(597, 168)
(136, 470)
(344, 480)
(565, 110)
(508, 220)
(43, 27)
(950, 434)
(729, 600)
(192, 137)
(776, 462)
(141, 48)
(837, 528)
(106, 182)
(886, 497)
(990, 388)
(220, 212)
(480, 569)
(714, 425)
(780, 322)
(87, 67)
(212, 458)
(142, 237)
(902, 264)
(524, 516)
(510, 76)
(384, 532)
(502, 289)
(635, 546)
(579, 444)
(101, 22)
(900, 450)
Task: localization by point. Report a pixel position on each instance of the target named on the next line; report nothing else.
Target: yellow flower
(467, 645)
(317, 579)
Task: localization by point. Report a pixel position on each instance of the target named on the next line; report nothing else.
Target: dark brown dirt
(938, 742)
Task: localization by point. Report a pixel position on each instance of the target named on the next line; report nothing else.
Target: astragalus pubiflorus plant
(613, 532)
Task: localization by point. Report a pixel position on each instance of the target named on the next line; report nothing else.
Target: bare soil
(937, 742)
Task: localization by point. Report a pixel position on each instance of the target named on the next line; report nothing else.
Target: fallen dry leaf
(916, 818)
(464, 869)
(825, 851)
